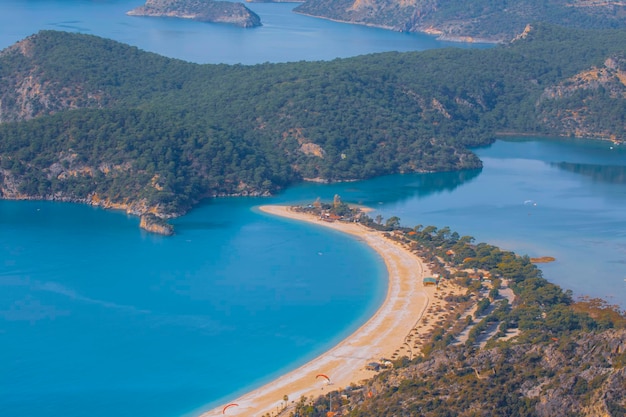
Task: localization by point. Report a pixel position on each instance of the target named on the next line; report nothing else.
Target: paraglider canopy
(323, 376)
(228, 406)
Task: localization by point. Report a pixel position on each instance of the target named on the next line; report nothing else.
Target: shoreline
(382, 336)
(430, 31)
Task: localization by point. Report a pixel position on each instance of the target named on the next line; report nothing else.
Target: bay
(543, 197)
(536, 196)
(284, 36)
(95, 314)
(99, 318)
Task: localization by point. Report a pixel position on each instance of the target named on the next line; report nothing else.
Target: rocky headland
(200, 10)
(462, 21)
(154, 224)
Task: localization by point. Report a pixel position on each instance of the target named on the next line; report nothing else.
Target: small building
(330, 217)
(430, 281)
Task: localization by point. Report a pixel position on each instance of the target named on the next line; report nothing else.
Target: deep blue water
(284, 36)
(98, 318)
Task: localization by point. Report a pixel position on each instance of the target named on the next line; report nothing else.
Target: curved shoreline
(381, 336)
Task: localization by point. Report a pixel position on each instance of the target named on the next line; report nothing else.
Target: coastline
(430, 31)
(382, 336)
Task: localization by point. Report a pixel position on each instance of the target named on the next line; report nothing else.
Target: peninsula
(200, 10)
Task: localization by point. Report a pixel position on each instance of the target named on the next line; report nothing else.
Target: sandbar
(380, 337)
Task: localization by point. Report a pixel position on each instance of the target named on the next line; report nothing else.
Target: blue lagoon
(99, 317)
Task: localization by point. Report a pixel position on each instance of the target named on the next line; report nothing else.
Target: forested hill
(92, 120)
(512, 345)
(469, 20)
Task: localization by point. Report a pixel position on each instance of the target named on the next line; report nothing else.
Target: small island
(200, 10)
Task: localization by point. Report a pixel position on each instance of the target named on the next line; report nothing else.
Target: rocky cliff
(154, 224)
(201, 10)
(478, 20)
(29, 93)
(572, 107)
(153, 216)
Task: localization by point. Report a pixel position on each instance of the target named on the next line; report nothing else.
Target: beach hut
(430, 281)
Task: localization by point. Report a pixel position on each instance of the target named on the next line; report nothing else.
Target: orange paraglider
(228, 406)
(323, 376)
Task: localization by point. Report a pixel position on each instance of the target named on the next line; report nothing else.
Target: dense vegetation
(482, 19)
(546, 354)
(88, 119)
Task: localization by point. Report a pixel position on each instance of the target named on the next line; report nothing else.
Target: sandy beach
(383, 334)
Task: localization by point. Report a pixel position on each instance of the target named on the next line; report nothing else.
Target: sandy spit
(384, 333)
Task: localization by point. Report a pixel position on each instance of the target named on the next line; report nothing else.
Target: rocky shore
(200, 10)
(154, 224)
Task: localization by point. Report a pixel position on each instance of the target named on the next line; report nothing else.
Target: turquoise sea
(95, 314)
(99, 318)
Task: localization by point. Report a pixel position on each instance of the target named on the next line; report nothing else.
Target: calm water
(540, 197)
(284, 36)
(96, 315)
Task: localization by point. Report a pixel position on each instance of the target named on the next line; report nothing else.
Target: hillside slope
(91, 120)
(479, 20)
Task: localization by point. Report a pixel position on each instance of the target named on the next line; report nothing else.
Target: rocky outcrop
(27, 93)
(582, 105)
(154, 224)
(611, 76)
(583, 376)
(200, 10)
(152, 216)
